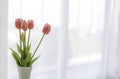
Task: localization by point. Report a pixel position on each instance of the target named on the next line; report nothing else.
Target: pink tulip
(18, 23)
(24, 25)
(46, 29)
(30, 24)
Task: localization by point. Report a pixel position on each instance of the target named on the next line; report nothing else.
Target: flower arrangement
(23, 56)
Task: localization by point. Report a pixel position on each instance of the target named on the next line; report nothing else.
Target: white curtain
(3, 38)
(111, 38)
(83, 43)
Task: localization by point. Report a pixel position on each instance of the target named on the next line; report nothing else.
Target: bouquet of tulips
(23, 56)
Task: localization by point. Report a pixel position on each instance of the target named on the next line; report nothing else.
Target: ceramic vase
(24, 72)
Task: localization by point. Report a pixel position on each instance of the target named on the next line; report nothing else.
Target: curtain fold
(111, 45)
(3, 38)
(63, 39)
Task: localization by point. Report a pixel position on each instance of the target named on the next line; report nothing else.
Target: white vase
(24, 72)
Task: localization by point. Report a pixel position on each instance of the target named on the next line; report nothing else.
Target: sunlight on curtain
(86, 21)
(85, 40)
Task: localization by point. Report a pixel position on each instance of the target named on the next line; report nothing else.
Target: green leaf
(26, 61)
(34, 60)
(28, 47)
(20, 50)
(17, 61)
(28, 54)
(28, 50)
(16, 57)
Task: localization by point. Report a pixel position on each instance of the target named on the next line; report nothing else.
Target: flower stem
(38, 45)
(28, 38)
(20, 38)
(25, 38)
(24, 45)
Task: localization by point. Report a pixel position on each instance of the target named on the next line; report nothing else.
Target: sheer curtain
(3, 38)
(83, 43)
(111, 38)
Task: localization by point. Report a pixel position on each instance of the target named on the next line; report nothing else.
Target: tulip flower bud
(30, 24)
(24, 25)
(46, 29)
(22, 37)
(18, 23)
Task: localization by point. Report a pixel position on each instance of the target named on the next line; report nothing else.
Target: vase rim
(24, 67)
